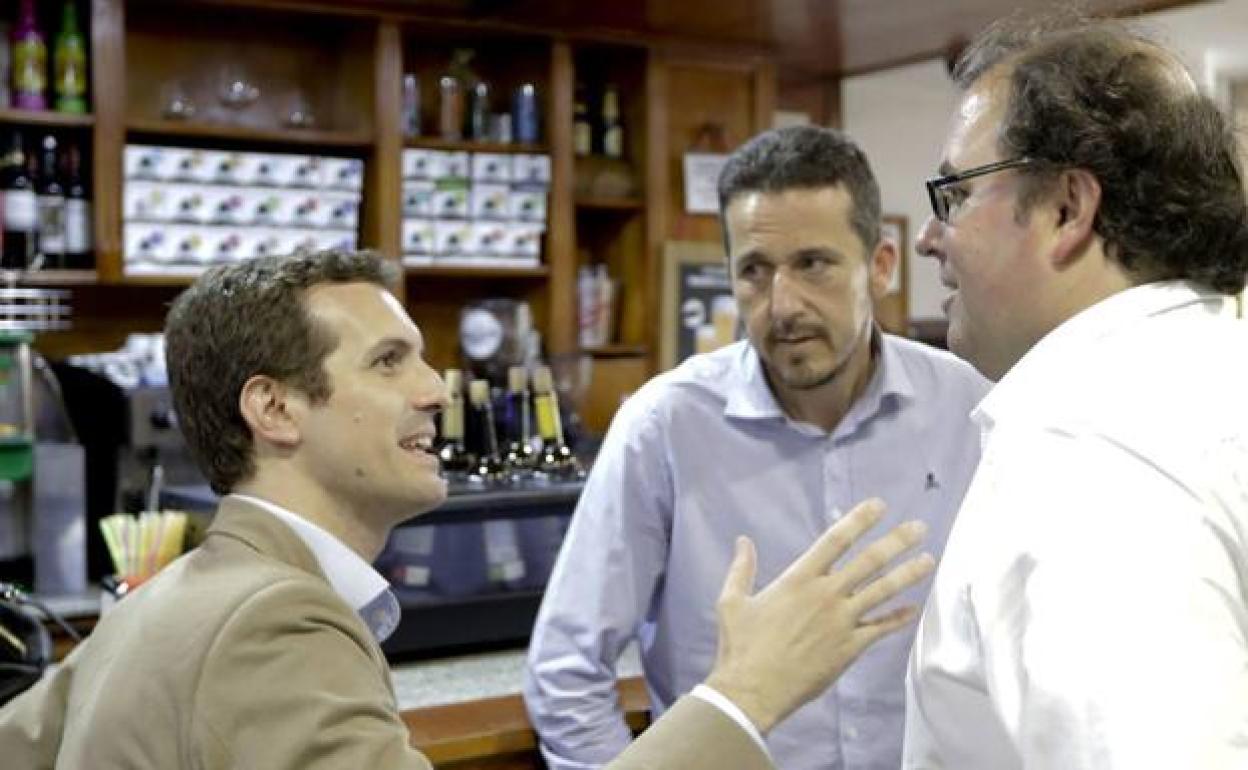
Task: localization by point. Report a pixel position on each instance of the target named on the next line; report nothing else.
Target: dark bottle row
(513, 436)
(46, 206)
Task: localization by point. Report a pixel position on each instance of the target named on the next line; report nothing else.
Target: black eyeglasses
(945, 199)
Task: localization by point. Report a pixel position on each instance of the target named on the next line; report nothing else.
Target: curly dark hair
(1097, 95)
(804, 157)
(245, 319)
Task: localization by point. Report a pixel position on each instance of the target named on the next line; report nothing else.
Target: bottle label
(77, 226)
(30, 65)
(50, 210)
(582, 136)
(70, 72)
(613, 143)
(19, 210)
(547, 419)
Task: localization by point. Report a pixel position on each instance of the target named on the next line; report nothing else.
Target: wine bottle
(582, 130)
(489, 465)
(457, 461)
(19, 208)
(555, 460)
(519, 456)
(612, 130)
(50, 207)
(30, 61)
(479, 112)
(77, 212)
(69, 60)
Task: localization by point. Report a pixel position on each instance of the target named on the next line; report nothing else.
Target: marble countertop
(473, 677)
(418, 684)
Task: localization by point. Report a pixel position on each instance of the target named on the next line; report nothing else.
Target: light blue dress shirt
(695, 458)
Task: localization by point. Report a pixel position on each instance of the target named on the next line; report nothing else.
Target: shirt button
(851, 733)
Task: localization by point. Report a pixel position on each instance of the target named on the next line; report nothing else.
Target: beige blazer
(240, 655)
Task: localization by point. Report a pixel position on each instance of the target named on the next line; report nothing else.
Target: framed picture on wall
(892, 310)
(698, 313)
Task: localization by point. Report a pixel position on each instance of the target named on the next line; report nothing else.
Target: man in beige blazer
(300, 386)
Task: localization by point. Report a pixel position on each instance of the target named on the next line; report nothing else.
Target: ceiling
(812, 38)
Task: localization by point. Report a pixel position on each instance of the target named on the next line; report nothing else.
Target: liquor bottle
(451, 85)
(524, 113)
(582, 131)
(19, 209)
(555, 461)
(69, 59)
(457, 461)
(411, 105)
(489, 465)
(519, 456)
(77, 212)
(612, 130)
(30, 61)
(479, 112)
(50, 207)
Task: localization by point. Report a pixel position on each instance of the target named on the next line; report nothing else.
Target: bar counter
(466, 712)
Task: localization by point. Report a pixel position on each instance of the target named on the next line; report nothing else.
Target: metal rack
(26, 309)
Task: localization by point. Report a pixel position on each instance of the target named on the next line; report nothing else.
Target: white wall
(899, 117)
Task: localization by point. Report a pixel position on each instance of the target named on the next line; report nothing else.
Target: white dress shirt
(698, 456)
(351, 577)
(1091, 610)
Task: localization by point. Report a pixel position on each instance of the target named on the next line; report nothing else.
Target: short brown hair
(1096, 94)
(804, 158)
(246, 319)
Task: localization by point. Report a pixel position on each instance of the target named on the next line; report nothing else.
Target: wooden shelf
(355, 140)
(588, 203)
(58, 278)
(48, 118)
(158, 280)
(618, 350)
(434, 143)
(447, 271)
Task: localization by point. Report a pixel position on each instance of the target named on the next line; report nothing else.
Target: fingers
(876, 556)
(887, 586)
(741, 573)
(868, 633)
(833, 544)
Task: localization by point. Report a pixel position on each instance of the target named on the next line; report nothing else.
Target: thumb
(741, 573)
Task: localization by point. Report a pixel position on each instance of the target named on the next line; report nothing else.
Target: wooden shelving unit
(59, 278)
(224, 132)
(347, 66)
(470, 273)
(617, 351)
(587, 203)
(45, 118)
(456, 145)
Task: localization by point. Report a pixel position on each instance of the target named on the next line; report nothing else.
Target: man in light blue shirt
(774, 437)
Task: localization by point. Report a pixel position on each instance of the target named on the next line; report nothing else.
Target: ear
(271, 410)
(881, 266)
(1077, 199)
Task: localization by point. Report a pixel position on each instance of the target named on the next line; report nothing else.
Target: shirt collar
(1081, 334)
(753, 398)
(351, 577)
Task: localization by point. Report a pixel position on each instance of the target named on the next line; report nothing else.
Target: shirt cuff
(730, 710)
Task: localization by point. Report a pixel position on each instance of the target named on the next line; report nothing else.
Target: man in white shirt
(301, 388)
(1091, 607)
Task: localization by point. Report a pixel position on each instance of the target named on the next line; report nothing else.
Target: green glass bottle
(69, 60)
